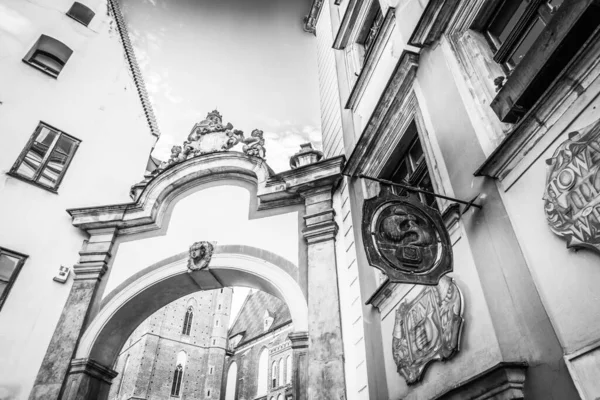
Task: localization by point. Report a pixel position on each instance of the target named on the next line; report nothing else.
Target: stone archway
(63, 376)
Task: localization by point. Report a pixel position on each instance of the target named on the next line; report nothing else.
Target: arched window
(123, 374)
(263, 373)
(231, 382)
(288, 370)
(177, 377)
(81, 13)
(281, 372)
(178, 374)
(274, 374)
(187, 321)
(49, 55)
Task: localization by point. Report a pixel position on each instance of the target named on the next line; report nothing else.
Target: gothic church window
(263, 373)
(177, 377)
(176, 386)
(10, 266)
(46, 157)
(81, 13)
(48, 55)
(187, 321)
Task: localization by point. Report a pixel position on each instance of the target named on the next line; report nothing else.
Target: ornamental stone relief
(200, 255)
(210, 136)
(571, 197)
(427, 328)
(405, 239)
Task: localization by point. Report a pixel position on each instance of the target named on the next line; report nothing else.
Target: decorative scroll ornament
(200, 255)
(210, 136)
(572, 195)
(405, 239)
(427, 328)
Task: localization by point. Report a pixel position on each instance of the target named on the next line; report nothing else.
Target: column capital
(299, 340)
(93, 369)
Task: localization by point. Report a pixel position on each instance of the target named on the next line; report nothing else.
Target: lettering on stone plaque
(406, 239)
(200, 255)
(571, 198)
(427, 328)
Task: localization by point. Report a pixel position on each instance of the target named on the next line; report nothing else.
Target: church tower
(178, 351)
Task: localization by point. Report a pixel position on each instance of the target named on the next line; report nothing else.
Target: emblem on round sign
(406, 239)
(572, 194)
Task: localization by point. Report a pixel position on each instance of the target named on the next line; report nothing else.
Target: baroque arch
(156, 286)
(87, 323)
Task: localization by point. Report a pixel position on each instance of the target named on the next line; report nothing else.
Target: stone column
(92, 265)
(326, 378)
(88, 380)
(299, 375)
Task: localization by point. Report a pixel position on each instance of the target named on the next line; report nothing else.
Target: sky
(250, 59)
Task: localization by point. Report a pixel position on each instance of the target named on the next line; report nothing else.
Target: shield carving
(427, 328)
(571, 197)
(405, 239)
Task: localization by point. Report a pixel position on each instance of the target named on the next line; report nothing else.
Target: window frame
(43, 45)
(13, 277)
(177, 380)
(84, 7)
(21, 158)
(187, 321)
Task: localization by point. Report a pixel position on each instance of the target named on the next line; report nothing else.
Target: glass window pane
(7, 266)
(416, 153)
(33, 159)
(57, 161)
(507, 18)
(3, 286)
(532, 34)
(45, 60)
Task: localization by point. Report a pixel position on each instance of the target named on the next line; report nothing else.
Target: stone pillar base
(300, 372)
(88, 380)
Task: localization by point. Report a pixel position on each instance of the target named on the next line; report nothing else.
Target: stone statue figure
(254, 145)
(200, 255)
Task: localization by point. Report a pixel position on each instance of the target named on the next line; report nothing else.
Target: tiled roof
(250, 318)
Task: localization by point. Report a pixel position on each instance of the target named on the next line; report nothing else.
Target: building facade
(494, 103)
(178, 351)
(259, 362)
(458, 136)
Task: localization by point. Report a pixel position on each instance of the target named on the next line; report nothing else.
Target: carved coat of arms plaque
(572, 195)
(200, 255)
(427, 328)
(405, 239)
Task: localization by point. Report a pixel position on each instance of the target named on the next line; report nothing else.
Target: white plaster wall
(93, 99)
(567, 280)
(214, 214)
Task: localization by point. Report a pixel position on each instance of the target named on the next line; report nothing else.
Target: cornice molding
(310, 21)
(372, 60)
(433, 22)
(138, 80)
(349, 21)
(397, 91)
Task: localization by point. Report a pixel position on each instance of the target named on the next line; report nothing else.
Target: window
(263, 373)
(217, 322)
(288, 370)
(514, 27)
(46, 157)
(369, 31)
(10, 266)
(267, 320)
(208, 393)
(281, 372)
(219, 307)
(48, 55)
(411, 167)
(187, 321)
(210, 370)
(231, 382)
(81, 13)
(274, 374)
(177, 377)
